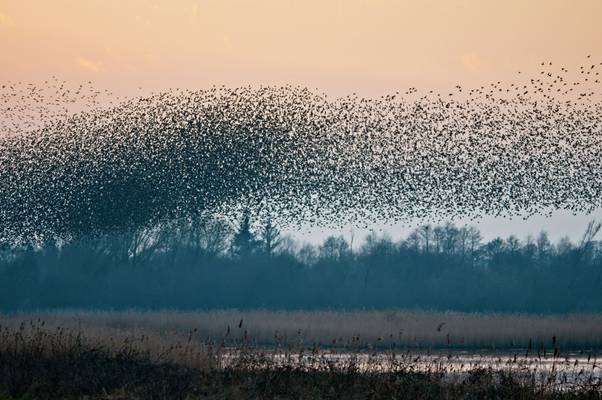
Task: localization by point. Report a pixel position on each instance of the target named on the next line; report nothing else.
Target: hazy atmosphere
(280, 199)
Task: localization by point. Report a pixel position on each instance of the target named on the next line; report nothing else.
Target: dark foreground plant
(36, 363)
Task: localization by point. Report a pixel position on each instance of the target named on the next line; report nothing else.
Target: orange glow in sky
(371, 47)
(341, 46)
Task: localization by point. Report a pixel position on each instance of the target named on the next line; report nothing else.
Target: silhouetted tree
(270, 237)
(335, 248)
(425, 235)
(464, 274)
(544, 248)
(244, 242)
(307, 254)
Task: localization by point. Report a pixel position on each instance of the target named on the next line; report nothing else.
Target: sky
(340, 46)
(369, 47)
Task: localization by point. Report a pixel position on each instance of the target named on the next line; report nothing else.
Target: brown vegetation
(402, 329)
(38, 361)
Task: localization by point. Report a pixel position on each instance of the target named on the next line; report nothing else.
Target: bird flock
(506, 149)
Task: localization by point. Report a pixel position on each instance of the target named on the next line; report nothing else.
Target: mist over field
(212, 265)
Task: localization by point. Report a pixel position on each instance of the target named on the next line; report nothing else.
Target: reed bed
(48, 361)
(381, 329)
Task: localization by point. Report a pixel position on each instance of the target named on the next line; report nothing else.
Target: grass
(39, 362)
(170, 355)
(402, 329)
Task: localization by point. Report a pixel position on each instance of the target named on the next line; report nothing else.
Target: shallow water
(567, 371)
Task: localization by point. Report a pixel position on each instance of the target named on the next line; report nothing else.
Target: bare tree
(513, 244)
(591, 231)
(544, 247)
(203, 235)
(565, 245)
(585, 245)
(451, 238)
(439, 238)
(413, 241)
(425, 234)
(307, 254)
(335, 248)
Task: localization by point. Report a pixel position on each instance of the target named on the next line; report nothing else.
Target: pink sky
(371, 47)
(340, 46)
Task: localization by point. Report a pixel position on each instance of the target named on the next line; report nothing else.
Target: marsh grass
(381, 329)
(115, 357)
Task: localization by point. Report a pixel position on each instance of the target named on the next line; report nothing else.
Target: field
(265, 354)
(381, 329)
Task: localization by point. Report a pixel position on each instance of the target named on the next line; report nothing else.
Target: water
(571, 370)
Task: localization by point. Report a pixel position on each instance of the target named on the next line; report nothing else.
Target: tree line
(209, 263)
